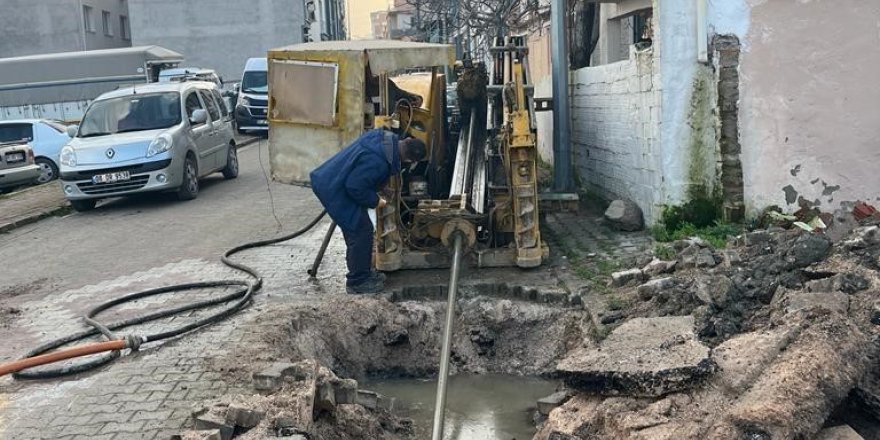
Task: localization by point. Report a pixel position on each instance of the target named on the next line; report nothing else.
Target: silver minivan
(155, 137)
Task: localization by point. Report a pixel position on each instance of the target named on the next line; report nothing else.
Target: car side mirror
(200, 116)
(236, 87)
(71, 130)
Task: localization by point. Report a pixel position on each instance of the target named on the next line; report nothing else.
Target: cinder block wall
(616, 130)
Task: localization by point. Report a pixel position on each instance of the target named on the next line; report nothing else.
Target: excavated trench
(507, 343)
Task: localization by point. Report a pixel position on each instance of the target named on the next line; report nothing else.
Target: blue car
(45, 137)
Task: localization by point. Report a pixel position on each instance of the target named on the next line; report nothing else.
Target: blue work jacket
(347, 183)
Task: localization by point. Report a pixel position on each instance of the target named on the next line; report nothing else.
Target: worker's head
(412, 150)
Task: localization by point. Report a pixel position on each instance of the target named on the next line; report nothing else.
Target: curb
(49, 212)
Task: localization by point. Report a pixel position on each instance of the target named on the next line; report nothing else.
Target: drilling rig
(480, 181)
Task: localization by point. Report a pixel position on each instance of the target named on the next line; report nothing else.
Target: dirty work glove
(382, 203)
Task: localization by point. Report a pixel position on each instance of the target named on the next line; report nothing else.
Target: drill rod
(313, 272)
(440, 403)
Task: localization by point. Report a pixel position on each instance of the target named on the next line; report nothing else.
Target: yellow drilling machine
(480, 179)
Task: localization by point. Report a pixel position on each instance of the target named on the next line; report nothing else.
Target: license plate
(15, 157)
(118, 176)
(262, 122)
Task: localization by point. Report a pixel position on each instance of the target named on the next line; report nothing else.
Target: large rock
(625, 216)
(642, 357)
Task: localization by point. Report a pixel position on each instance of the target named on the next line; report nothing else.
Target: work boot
(370, 285)
(376, 275)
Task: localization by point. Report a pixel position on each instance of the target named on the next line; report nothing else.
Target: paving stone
(642, 357)
(833, 301)
(213, 420)
(238, 415)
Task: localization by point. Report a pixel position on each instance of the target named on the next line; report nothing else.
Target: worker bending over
(347, 185)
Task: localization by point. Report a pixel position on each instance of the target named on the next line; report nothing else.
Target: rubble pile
(302, 400)
(790, 322)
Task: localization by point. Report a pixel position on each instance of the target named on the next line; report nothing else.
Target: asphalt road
(135, 234)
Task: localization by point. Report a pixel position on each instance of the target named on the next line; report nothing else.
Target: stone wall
(727, 52)
(615, 130)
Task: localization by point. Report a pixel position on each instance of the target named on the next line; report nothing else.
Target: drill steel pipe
(440, 403)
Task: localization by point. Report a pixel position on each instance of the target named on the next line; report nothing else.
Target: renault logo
(110, 153)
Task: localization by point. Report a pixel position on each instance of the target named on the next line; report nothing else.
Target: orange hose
(43, 359)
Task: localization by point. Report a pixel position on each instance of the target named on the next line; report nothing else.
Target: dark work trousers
(359, 250)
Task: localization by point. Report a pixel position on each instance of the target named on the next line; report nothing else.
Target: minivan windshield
(131, 113)
(254, 81)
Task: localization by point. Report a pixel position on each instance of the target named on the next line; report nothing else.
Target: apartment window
(108, 25)
(124, 31)
(88, 24)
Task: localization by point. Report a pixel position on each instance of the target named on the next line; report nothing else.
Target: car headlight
(243, 100)
(159, 145)
(68, 156)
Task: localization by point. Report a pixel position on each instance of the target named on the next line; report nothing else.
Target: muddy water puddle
(477, 406)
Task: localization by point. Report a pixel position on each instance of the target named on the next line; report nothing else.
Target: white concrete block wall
(616, 130)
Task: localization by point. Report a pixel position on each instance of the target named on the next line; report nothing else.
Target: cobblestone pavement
(56, 269)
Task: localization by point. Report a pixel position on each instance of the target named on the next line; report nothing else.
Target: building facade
(51, 26)
(218, 34)
(747, 104)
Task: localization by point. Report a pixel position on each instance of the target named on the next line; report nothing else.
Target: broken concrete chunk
(212, 420)
(625, 277)
(714, 290)
(396, 336)
(625, 215)
(385, 402)
(807, 249)
(244, 417)
(346, 391)
(696, 257)
(842, 432)
(730, 258)
(367, 399)
(208, 434)
(742, 358)
(832, 301)
(325, 397)
(642, 357)
(756, 238)
(653, 287)
(551, 402)
(657, 267)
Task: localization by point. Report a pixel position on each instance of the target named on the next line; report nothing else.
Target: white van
(253, 97)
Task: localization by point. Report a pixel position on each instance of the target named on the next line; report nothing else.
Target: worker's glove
(382, 203)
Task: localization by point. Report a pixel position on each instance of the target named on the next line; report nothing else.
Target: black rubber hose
(241, 296)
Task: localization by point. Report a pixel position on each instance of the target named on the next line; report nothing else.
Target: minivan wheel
(83, 205)
(48, 170)
(189, 189)
(231, 169)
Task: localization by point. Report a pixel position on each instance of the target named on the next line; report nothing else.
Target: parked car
(251, 108)
(178, 74)
(17, 165)
(45, 137)
(156, 137)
